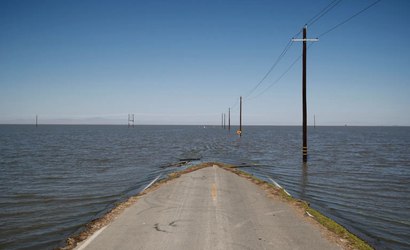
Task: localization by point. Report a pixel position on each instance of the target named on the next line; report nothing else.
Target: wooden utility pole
(229, 119)
(240, 117)
(131, 120)
(304, 101)
(314, 121)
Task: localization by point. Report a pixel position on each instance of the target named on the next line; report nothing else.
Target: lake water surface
(54, 179)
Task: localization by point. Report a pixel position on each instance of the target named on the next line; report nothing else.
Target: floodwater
(54, 179)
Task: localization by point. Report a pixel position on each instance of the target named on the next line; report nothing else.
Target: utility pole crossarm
(305, 40)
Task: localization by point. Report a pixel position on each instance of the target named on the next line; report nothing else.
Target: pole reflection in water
(304, 181)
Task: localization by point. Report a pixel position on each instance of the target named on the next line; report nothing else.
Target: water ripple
(55, 179)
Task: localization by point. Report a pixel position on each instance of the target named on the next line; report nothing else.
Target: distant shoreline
(194, 125)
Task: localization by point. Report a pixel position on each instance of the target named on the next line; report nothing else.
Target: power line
(348, 19)
(284, 51)
(235, 105)
(311, 21)
(319, 15)
(279, 78)
(282, 54)
(323, 12)
(297, 34)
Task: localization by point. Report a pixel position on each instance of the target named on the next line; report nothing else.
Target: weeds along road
(210, 208)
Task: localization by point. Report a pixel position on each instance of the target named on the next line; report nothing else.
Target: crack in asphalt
(156, 226)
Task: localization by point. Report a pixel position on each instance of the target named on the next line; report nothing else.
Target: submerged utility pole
(239, 132)
(131, 120)
(304, 101)
(36, 121)
(229, 119)
(222, 120)
(314, 121)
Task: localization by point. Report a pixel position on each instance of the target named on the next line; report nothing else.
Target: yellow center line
(213, 192)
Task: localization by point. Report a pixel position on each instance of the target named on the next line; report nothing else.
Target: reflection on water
(56, 178)
(304, 180)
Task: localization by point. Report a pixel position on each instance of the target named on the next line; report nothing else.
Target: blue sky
(186, 62)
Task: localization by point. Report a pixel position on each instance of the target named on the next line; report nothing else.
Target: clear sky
(186, 62)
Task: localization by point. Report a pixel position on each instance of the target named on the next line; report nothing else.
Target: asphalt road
(209, 209)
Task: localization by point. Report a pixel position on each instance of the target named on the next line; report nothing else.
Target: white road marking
(309, 214)
(279, 186)
(275, 183)
(152, 182)
(284, 190)
(88, 241)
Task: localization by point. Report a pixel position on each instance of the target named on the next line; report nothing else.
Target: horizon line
(213, 125)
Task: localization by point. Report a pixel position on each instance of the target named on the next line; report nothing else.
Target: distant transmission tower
(131, 120)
